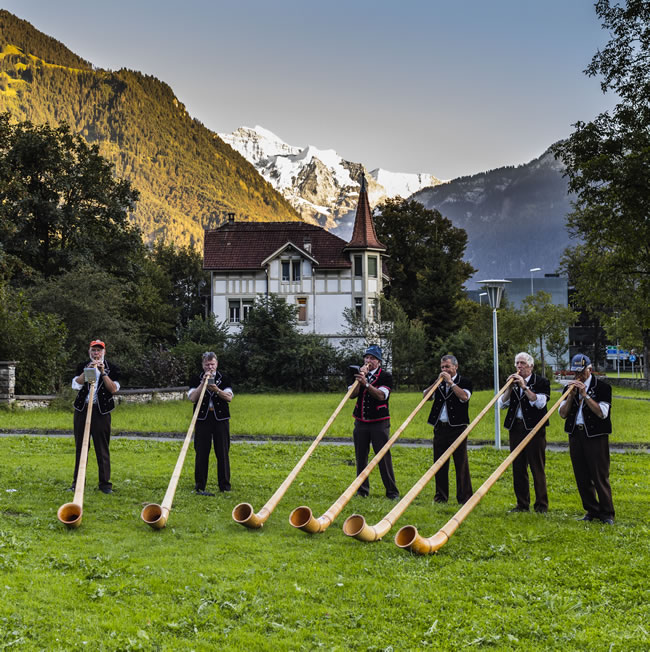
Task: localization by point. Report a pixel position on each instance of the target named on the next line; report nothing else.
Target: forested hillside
(187, 176)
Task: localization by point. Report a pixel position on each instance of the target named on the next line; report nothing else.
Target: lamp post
(480, 297)
(494, 288)
(618, 355)
(533, 269)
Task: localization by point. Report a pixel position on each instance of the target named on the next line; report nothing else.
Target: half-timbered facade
(318, 272)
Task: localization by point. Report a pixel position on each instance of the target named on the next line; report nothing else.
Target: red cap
(98, 343)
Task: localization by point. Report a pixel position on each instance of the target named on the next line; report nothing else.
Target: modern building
(519, 288)
(318, 272)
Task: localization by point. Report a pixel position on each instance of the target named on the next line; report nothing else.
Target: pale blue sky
(447, 87)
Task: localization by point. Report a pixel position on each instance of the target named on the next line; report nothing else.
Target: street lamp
(618, 355)
(495, 289)
(533, 269)
(480, 296)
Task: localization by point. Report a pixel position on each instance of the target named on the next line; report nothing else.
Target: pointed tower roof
(364, 235)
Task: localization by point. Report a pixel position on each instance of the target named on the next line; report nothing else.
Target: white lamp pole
(494, 288)
(533, 269)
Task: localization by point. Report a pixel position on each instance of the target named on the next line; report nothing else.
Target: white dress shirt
(444, 417)
(539, 402)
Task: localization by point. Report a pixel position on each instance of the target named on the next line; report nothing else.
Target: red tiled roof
(244, 245)
(364, 235)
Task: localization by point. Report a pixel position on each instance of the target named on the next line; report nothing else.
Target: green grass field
(290, 415)
(503, 581)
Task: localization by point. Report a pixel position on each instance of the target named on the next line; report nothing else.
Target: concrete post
(7, 381)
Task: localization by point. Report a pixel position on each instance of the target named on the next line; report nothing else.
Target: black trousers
(590, 460)
(533, 456)
(444, 436)
(206, 433)
(100, 431)
(377, 434)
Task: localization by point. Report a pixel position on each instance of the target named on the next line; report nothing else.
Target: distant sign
(632, 358)
(622, 355)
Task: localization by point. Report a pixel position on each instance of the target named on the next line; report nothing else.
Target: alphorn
(70, 514)
(356, 526)
(408, 537)
(302, 517)
(244, 514)
(156, 515)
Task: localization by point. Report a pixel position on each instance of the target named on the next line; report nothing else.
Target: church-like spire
(364, 235)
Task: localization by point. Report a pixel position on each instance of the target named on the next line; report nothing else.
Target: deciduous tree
(426, 267)
(608, 167)
(60, 203)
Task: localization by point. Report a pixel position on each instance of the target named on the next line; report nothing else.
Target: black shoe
(517, 509)
(71, 488)
(394, 497)
(225, 490)
(586, 517)
(541, 510)
(439, 499)
(202, 492)
(607, 521)
(360, 495)
(106, 490)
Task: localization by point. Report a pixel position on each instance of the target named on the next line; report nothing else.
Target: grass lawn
(289, 415)
(503, 581)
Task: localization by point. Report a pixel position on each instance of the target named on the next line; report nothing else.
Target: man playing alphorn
(372, 419)
(106, 384)
(588, 423)
(212, 424)
(526, 401)
(449, 417)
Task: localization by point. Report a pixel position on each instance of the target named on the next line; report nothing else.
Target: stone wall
(635, 383)
(145, 395)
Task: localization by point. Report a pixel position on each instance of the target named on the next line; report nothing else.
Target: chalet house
(318, 272)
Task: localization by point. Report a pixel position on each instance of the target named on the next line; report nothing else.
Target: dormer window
(291, 271)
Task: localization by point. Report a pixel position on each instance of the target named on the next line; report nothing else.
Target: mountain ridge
(514, 216)
(187, 177)
(321, 185)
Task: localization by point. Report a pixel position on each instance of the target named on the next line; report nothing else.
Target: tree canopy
(426, 267)
(60, 204)
(608, 168)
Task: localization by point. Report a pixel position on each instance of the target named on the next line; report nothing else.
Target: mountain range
(189, 177)
(514, 216)
(321, 185)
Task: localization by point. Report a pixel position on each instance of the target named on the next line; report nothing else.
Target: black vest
(105, 401)
(370, 409)
(531, 414)
(601, 392)
(221, 407)
(457, 410)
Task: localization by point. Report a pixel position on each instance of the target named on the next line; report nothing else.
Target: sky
(446, 87)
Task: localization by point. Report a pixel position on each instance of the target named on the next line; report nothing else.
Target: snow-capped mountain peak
(321, 186)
